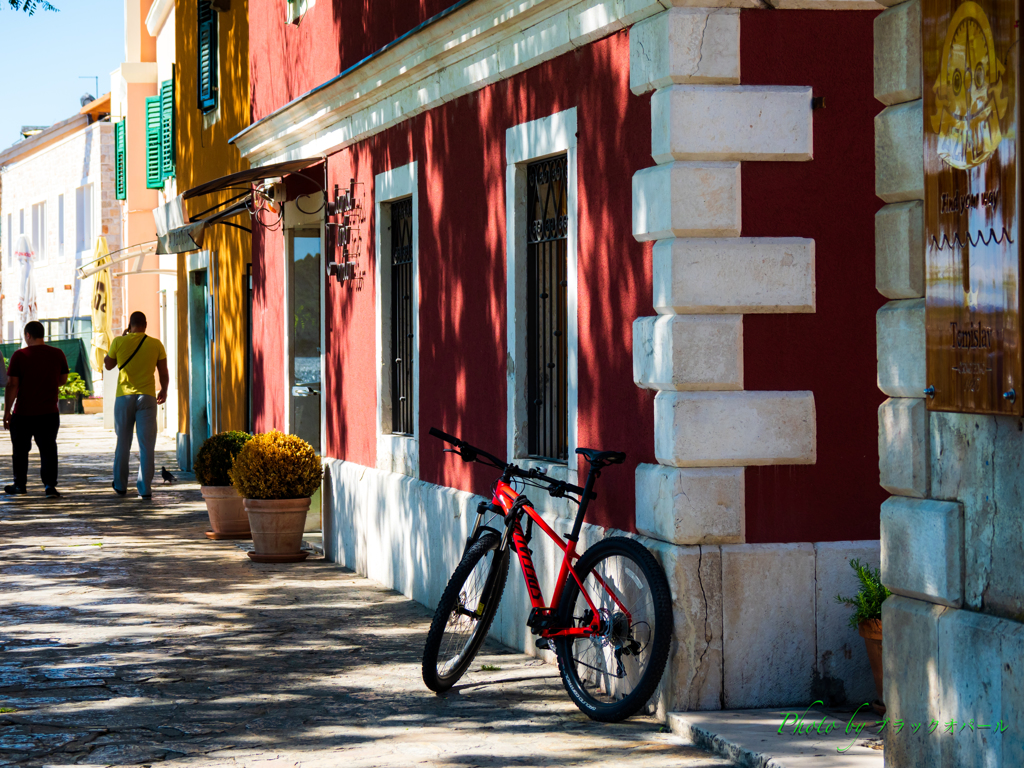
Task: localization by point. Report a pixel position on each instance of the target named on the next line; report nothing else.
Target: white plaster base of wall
(409, 534)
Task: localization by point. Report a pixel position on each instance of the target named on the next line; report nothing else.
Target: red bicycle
(609, 620)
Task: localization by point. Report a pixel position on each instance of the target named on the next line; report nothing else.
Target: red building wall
(287, 60)
(831, 352)
(460, 148)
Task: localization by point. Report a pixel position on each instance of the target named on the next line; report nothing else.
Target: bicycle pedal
(545, 644)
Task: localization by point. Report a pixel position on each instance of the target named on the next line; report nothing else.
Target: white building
(58, 190)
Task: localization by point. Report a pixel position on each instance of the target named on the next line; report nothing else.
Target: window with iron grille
(403, 305)
(547, 225)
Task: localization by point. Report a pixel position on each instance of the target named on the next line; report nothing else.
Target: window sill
(543, 503)
(399, 454)
(557, 470)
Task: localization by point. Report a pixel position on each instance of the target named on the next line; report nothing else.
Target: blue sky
(41, 57)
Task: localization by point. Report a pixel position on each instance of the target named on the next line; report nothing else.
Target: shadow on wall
(203, 153)
(460, 148)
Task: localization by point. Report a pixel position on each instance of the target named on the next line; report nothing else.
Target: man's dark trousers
(43, 428)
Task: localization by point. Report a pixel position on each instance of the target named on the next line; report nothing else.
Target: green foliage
(276, 466)
(30, 6)
(216, 455)
(868, 601)
(74, 387)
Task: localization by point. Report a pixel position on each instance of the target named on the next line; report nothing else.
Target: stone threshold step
(751, 737)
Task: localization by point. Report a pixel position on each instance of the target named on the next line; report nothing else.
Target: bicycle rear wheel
(464, 614)
(612, 675)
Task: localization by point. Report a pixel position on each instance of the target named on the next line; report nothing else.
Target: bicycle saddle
(595, 456)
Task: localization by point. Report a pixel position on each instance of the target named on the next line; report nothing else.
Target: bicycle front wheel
(613, 674)
(465, 613)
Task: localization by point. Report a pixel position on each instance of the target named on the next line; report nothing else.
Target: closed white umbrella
(27, 305)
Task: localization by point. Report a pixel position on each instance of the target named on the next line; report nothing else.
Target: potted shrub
(276, 475)
(223, 503)
(70, 394)
(867, 619)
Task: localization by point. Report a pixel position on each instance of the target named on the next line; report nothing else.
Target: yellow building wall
(203, 154)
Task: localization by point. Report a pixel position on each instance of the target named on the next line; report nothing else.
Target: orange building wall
(203, 153)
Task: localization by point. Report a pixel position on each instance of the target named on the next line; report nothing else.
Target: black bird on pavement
(167, 476)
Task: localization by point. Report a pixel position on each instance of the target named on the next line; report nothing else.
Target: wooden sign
(971, 206)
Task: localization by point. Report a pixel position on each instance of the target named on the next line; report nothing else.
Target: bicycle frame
(505, 497)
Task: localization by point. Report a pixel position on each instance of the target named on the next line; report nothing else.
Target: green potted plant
(867, 619)
(277, 474)
(223, 503)
(71, 393)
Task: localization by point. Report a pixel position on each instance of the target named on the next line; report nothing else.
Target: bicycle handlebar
(470, 453)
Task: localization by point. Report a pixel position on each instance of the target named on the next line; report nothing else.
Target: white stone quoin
(903, 465)
(767, 624)
(922, 549)
(899, 153)
(739, 275)
(900, 330)
(728, 429)
(899, 250)
(710, 122)
(691, 505)
(898, 53)
(685, 45)
(910, 678)
(688, 352)
(700, 199)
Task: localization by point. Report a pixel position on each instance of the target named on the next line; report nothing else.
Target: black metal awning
(177, 232)
(253, 174)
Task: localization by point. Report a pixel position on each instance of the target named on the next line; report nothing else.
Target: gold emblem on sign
(971, 93)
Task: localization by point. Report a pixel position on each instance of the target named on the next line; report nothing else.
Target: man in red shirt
(35, 374)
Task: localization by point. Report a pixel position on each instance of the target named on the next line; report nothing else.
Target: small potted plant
(276, 475)
(223, 503)
(71, 393)
(867, 619)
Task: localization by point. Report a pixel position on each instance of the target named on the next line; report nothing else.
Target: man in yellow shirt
(136, 355)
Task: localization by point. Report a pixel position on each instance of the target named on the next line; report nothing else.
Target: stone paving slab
(128, 638)
(752, 738)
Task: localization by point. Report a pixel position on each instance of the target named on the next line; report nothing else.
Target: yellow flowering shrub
(276, 466)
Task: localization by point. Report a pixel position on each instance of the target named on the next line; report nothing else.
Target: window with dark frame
(547, 382)
(207, 56)
(403, 305)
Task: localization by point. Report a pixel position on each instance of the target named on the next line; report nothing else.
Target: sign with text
(971, 207)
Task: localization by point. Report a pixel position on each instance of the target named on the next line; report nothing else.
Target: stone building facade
(720, 209)
(953, 529)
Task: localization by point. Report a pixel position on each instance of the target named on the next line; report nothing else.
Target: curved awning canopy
(177, 232)
(261, 173)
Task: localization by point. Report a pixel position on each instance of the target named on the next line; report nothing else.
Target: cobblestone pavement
(128, 638)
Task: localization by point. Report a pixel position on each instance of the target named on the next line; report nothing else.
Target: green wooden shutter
(167, 128)
(121, 178)
(207, 57)
(153, 178)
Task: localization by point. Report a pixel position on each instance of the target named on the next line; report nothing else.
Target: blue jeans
(138, 413)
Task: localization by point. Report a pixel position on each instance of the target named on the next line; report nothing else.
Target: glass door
(305, 347)
(200, 421)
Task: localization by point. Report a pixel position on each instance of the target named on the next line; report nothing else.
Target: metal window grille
(403, 305)
(547, 223)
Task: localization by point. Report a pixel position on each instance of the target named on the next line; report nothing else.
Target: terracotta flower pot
(227, 512)
(277, 526)
(871, 631)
